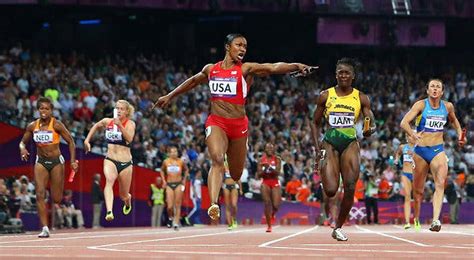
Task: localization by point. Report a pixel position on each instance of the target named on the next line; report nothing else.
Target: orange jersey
(45, 137)
(173, 166)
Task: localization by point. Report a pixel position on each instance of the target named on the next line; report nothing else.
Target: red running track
(249, 242)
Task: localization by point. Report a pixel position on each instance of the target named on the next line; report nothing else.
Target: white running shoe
(176, 227)
(338, 235)
(44, 233)
(214, 212)
(435, 226)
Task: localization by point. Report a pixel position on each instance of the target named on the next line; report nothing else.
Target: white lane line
(103, 247)
(345, 244)
(266, 244)
(156, 232)
(460, 247)
(93, 231)
(45, 246)
(356, 250)
(390, 236)
(213, 253)
(193, 245)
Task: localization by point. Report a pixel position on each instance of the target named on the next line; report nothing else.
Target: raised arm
(455, 123)
(97, 126)
(24, 140)
(187, 85)
(265, 69)
(367, 112)
(415, 110)
(66, 135)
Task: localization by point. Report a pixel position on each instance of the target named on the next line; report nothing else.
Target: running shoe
(44, 233)
(176, 227)
(417, 225)
(435, 226)
(109, 216)
(230, 227)
(126, 209)
(214, 211)
(338, 235)
(169, 224)
(269, 229)
(234, 223)
(407, 226)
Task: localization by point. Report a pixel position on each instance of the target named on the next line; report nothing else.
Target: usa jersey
(270, 172)
(228, 85)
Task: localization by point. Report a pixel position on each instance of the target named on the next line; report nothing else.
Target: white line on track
(156, 232)
(45, 246)
(266, 244)
(103, 247)
(390, 236)
(342, 249)
(195, 245)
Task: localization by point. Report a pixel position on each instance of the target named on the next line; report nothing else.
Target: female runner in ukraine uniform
(406, 152)
(49, 165)
(431, 116)
(232, 190)
(227, 125)
(339, 154)
(119, 132)
(269, 169)
(174, 183)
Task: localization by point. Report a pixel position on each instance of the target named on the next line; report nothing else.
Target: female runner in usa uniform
(269, 169)
(431, 115)
(227, 125)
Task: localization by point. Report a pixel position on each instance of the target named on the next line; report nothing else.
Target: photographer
(371, 191)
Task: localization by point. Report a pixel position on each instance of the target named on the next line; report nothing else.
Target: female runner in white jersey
(119, 132)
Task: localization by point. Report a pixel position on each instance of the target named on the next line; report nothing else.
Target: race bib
(223, 87)
(407, 158)
(43, 137)
(173, 169)
(113, 136)
(341, 119)
(435, 123)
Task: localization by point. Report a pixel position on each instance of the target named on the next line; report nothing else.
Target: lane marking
(266, 244)
(390, 236)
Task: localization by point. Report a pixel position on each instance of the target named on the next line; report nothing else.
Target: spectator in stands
(292, 187)
(371, 191)
(453, 195)
(157, 201)
(70, 211)
(304, 191)
(97, 198)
